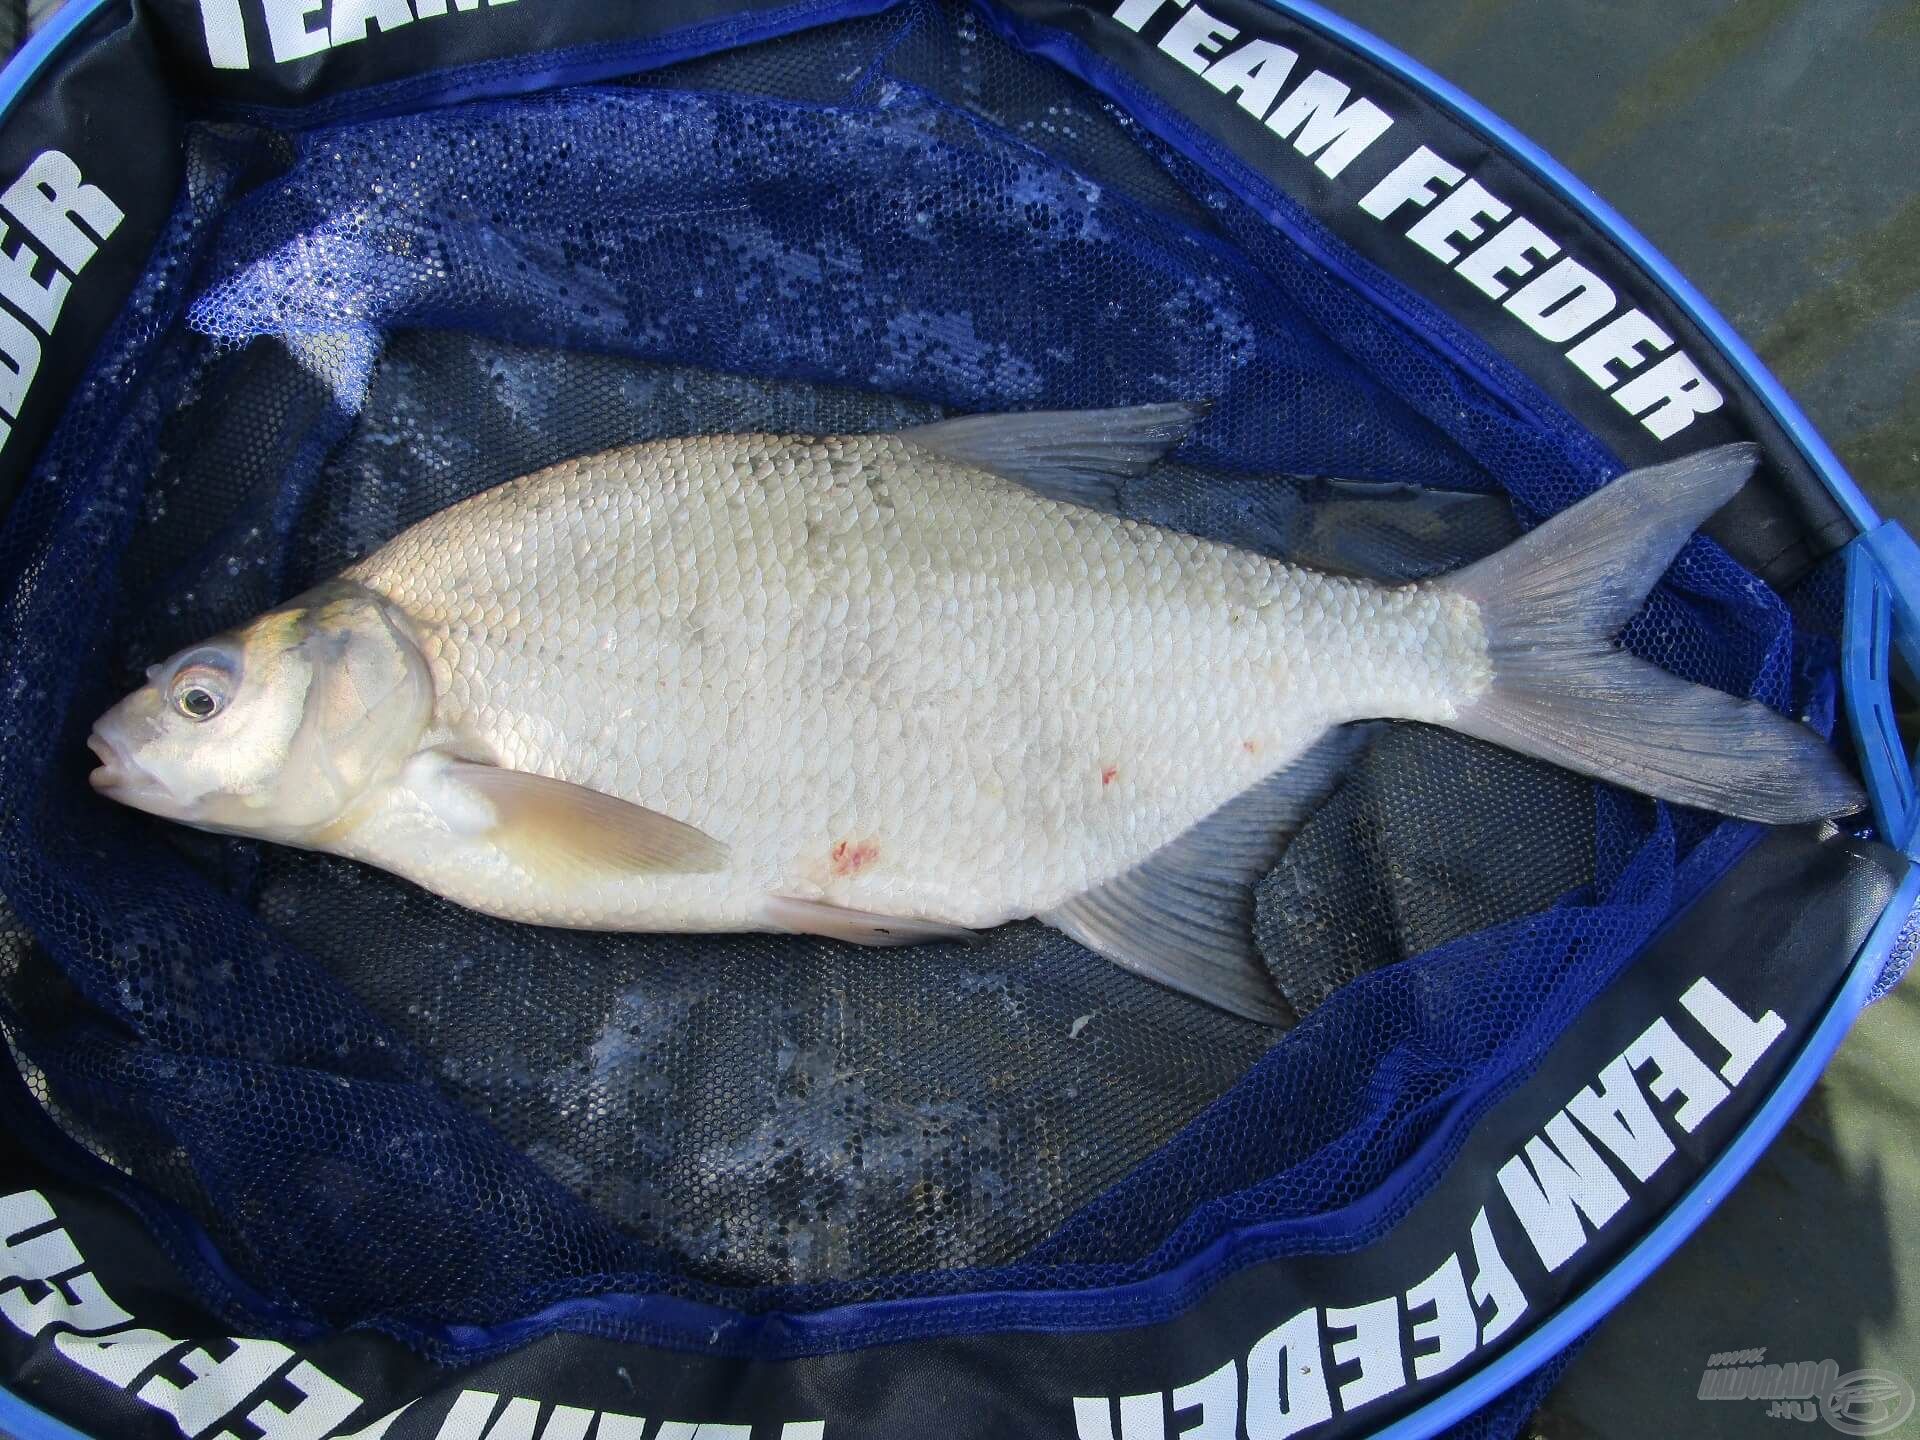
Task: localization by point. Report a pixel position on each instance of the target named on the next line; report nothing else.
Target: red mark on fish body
(851, 857)
(1107, 775)
(1252, 747)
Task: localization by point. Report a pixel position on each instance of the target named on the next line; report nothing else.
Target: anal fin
(1184, 915)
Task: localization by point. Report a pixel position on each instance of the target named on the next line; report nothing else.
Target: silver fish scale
(885, 680)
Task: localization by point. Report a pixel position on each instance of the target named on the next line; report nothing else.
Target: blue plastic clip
(1883, 613)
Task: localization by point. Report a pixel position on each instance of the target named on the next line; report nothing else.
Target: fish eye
(199, 691)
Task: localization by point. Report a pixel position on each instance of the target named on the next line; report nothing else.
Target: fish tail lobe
(1551, 605)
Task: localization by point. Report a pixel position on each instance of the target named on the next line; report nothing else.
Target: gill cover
(369, 696)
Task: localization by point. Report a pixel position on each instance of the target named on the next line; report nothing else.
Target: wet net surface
(385, 1109)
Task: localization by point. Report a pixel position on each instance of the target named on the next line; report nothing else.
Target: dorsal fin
(1078, 456)
(1184, 915)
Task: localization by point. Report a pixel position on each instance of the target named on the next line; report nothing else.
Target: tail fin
(1552, 603)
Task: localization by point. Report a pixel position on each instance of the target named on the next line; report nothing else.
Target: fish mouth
(118, 774)
(112, 768)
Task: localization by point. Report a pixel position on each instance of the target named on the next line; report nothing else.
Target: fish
(906, 687)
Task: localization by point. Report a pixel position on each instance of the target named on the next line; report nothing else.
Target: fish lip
(118, 774)
(109, 773)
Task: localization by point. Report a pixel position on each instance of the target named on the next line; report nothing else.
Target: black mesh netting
(385, 1109)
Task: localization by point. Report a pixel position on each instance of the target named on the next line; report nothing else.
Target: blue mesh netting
(385, 1110)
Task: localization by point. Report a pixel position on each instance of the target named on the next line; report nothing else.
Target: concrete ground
(1769, 148)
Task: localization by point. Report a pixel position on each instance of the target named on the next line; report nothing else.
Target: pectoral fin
(561, 830)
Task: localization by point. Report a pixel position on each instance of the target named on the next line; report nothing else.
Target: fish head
(274, 729)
